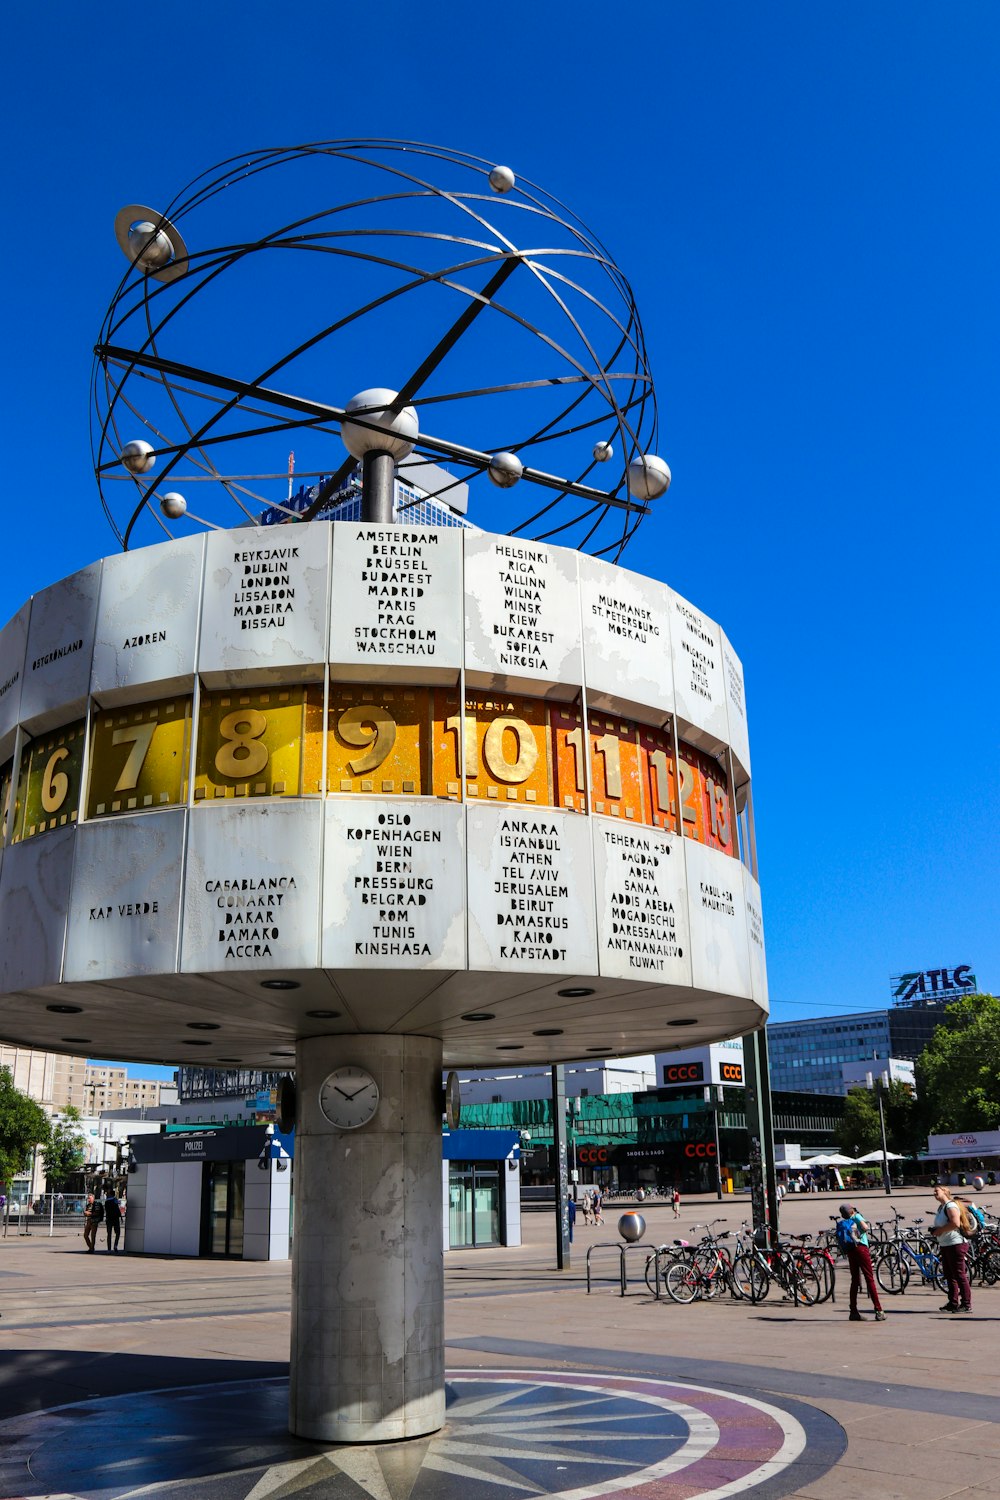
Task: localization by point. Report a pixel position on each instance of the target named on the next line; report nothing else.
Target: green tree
(904, 1126)
(65, 1149)
(859, 1131)
(23, 1125)
(958, 1072)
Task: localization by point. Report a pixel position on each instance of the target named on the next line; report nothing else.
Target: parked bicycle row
(959, 1248)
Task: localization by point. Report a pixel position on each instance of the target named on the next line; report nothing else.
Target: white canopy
(834, 1159)
(877, 1156)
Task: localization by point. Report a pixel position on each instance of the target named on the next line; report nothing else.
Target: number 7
(140, 737)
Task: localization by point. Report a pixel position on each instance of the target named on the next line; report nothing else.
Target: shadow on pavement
(38, 1380)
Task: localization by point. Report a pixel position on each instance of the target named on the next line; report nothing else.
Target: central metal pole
(378, 474)
(764, 1186)
(562, 1176)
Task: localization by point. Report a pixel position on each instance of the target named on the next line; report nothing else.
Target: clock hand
(341, 1091)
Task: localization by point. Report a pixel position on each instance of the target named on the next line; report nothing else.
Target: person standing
(852, 1236)
(113, 1218)
(675, 1199)
(598, 1206)
(93, 1213)
(947, 1230)
(571, 1215)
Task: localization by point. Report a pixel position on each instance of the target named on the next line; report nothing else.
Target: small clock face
(452, 1101)
(349, 1097)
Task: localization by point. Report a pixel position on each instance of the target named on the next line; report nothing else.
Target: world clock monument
(374, 795)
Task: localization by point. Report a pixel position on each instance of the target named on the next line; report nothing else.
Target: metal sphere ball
(384, 431)
(505, 469)
(149, 247)
(173, 505)
(631, 1227)
(502, 179)
(648, 477)
(603, 452)
(978, 1183)
(138, 456)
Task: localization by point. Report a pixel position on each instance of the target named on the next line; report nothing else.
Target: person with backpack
(852, 1239)
(952, 1228)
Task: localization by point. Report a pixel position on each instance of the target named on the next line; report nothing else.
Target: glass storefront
(222, 1218)
(474, 1206)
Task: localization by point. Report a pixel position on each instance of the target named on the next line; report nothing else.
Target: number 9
(367, 725)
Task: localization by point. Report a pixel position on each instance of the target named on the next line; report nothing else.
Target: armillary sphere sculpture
(537, 355)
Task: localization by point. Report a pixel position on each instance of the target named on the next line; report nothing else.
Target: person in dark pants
(112, 1218)
(953, 1249)
(571, 1207)
(92, 1216)
(859, 1259)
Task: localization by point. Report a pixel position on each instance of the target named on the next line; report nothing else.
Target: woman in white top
(953, 1247)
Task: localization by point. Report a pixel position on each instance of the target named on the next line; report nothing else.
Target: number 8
(242, 731)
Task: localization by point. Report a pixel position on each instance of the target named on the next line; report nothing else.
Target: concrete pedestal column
(367, 1355)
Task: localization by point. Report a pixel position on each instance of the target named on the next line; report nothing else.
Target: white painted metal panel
(126, 897)
(739, 736)
(34, 900)
(720, 961)
(396, 603)
(252, 888)
(755, 936)
(185, 1219)
(147, 620)
(642, 918)
(531, 891)
(522, 615)
(626, 641)
(13, 642)
(265, 604)
(60, 647)
(394, 884)
(699, 687)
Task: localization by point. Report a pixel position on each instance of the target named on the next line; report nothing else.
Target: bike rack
(623, 1249)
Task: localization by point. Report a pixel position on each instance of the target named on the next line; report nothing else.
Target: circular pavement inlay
(509, 1434)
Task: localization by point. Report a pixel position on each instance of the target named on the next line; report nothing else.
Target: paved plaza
(123, 1375)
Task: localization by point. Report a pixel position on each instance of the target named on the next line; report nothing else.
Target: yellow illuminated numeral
(660, 764)
(494, 747)
(242, 754)
(140, 737)
(574, 740)
(453, 724)
(607, 746)
(367, 725)
(55, 784)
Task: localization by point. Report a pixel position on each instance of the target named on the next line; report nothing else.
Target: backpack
(97, 1210)
(969, 1221)
(847, 1233)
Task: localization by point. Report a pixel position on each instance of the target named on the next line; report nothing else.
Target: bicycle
(705, 1270)
(896, 1255)
(756, 1267)
(653, 1273)
(816, 1251)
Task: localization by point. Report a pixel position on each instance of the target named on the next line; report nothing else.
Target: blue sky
(804, 200)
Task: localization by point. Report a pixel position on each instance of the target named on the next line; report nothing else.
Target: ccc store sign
(592, 1156)
(731, 1073)
(700, 1150)
(684, 1072)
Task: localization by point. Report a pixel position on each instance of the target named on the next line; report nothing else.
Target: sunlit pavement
(123, 1374)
